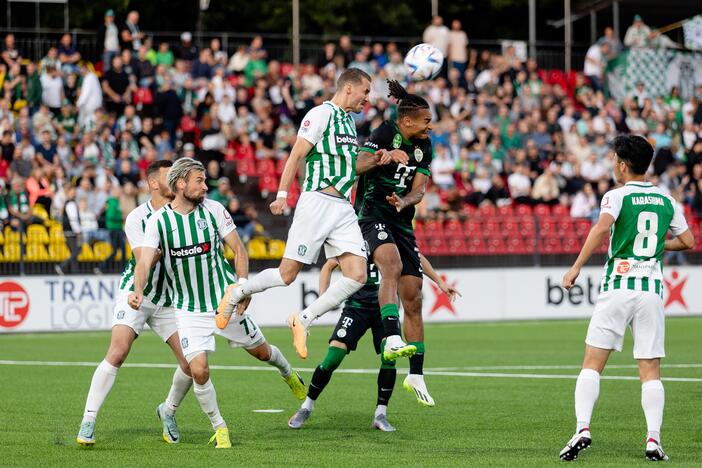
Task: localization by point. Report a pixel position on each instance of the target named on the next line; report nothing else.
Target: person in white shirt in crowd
(638, 34)
(437, 34)
(584, 203)
(90, 98)
(519, 184)
(593, 169)
(52, 89)
(595, 63)
(442, 168)
(458, 48)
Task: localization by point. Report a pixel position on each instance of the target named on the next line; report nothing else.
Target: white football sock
(278, 360)
(103, 379)
(337, 293)
(207, 397)
(381, 410)
(587, 389)
(269, 278)
(653, 401)
(308, 404)
(179, 388)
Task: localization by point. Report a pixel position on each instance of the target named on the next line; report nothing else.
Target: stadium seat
(487, 210)
(565, 226)
(476, 246)
(434, 228)
(58, 252)
(86, 254)
(571, 244)
(523, 210)
(528, 225)
(245, 168)
(491, 226)
(547, 225)
(506, 210)
(496, 245)
(36, 233)
(582, 226)
(453, 228)
(561, 211)
(457, 246)
(276, 248)
(36, 253)
(101, 250)
(11, 237)
(279, 166)
(437, 246)
(267, 184)
(542, 210)
(511, 224)
(266, 167)
(516, 245)
(469, 210)
(257, 249)
(551, 245)
(472, 227)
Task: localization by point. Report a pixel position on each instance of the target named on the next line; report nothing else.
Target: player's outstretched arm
(684, 241)
(325, 274)
(429, 272)
(367, 161)
(241, 265)
(598, 233)
(297, 154)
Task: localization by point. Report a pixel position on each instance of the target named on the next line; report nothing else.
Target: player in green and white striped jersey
(637, 218)
(324, 216)
(127, 323)
(190, 231)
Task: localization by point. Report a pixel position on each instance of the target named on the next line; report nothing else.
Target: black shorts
(377, 233)
(354, 323)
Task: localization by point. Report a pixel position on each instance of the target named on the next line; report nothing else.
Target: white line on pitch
(557, 367)
(341, 371)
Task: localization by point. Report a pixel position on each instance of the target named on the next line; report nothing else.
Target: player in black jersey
(361, 313)
(385, 205)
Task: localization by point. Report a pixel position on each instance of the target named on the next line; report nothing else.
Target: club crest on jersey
(120, 315)
(201, 224)
(382, 235)
(341, 333)
(301, 250)
(184, 343)
(418, 154)
(397, 141)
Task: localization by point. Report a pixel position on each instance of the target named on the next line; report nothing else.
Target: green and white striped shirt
(643, 216)
(134, 228)
(196, 271)
(332, 160)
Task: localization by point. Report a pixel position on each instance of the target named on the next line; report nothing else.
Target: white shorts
(642, 311)
(161, 319)
(197, 332)
(323, 220)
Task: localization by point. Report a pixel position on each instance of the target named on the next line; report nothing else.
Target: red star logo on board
(442, 300)
(675, 289)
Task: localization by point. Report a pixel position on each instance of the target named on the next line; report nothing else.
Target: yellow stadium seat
(56, 234)
(2, 238)
(58, 252)
(40, 212)
(101, 250)
(86, 254)
(12, 252)
(257, 249)
(36, 233)
(36, 253)
(11, 237)
(276, 248)
(128, 251)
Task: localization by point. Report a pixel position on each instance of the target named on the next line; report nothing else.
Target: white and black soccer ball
(423, 62)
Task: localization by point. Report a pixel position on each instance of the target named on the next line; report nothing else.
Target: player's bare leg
(182, 381)
(271, 354)
(652, 402)
(411, 296)
(387, 258)
(353, 268)
(587, 390)
(103, 380)
(207, 398)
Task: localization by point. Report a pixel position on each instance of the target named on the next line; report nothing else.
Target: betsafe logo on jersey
(346, 140)
(191, 250)
(14, 304)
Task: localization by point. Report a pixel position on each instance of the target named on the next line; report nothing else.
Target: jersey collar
(335, 106)
(638, 183)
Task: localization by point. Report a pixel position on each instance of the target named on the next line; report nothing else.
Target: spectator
(520, 184)
(638, 34)
(52, 90)
(546, 188)
(39, 189)
(90, 98)
(244, 226)
(458, 48)
(131, 36)
(186, 52)
(11, 55)
(68, 55)
(595, 63)
(114, 220)
(18, 205)
(437, 35)
(615, 45)
(346, 50)
(442, 168)
(7, 146)
(108, 39)
(164, 56)
(116, 86)
(584, 203)
(21, 166)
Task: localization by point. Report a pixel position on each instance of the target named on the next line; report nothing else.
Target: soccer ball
(423, 62)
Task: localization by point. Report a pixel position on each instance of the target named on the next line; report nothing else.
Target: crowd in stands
(505, 132)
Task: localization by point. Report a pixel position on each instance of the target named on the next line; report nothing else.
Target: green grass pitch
(479, 420)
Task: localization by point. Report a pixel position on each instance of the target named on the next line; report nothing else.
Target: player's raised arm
(429, 272)
(325, 274)
(419, 186)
